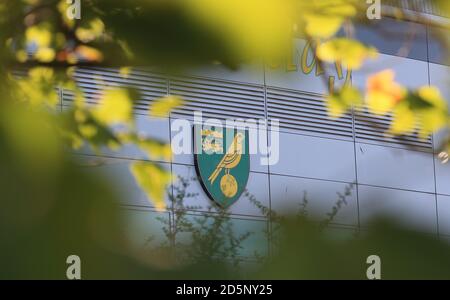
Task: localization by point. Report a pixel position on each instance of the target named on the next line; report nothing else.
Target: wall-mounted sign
(222, 162)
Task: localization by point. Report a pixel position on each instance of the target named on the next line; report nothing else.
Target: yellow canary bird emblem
(231, 159)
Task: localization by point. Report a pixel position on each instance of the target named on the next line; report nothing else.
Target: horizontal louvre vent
(218, 99)
(305, 112)
(93, 80)
(373, 128)
(298, 112)
(421, 6)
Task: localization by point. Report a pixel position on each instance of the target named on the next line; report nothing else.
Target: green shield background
(205, 164)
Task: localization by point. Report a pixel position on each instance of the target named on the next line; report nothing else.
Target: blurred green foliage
(51, 208)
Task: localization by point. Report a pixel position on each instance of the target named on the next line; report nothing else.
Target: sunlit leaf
(341, 101)
(88, 131)
(252, 28)
(153, 180)
(91, 32)
(89, 53)
(39, 35)
(404, 120)
(322, 26)
(432, 120)
(163, 106)
(115, 106)
(383, 93)
(433, 96)
(155, 149)
(324, 18)
(45, 54)
(350, 53)
(125, 72)
(21, 56)
(38, 88)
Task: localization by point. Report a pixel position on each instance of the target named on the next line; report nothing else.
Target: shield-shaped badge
(222, 162)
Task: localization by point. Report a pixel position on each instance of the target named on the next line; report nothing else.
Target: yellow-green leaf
(432, 120)
(322, 26)
(163, 106)
(155, 149)
(153, 180)
(404, 121)
(339, 102)
(432, 95)
(350, 53)
(115, 107)
(383, 93)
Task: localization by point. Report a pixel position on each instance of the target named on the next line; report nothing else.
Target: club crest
(222, 162)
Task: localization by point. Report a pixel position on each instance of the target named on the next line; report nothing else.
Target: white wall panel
(144, 230)
(313, 157)
(443, 205)
(288, 194)
(256, 241)
(150, 127)
(440, 77)
(117, 171)
(442, 177)
(415, 210)
(391, 36)
(249, 73)
(408, 72)
(397, 168)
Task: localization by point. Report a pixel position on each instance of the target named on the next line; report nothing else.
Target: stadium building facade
(319, 157)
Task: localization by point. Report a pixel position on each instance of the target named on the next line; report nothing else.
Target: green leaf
(153, 180)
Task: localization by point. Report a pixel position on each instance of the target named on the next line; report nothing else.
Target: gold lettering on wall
(308, 62)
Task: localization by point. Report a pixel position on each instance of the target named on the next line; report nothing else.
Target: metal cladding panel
(415, 210)
(442, 177)
(390, 36)
(218, 99)
(288, 196)
(315, 157)
(440, 77)
(256, 245)
(421, 6)
(408, 72)
(118, 171)
(438, 39)
(396, 168)
(307, 113)
(144, 227)
(94, 80)
(443, 204)
(146, 126)
(247, 73)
